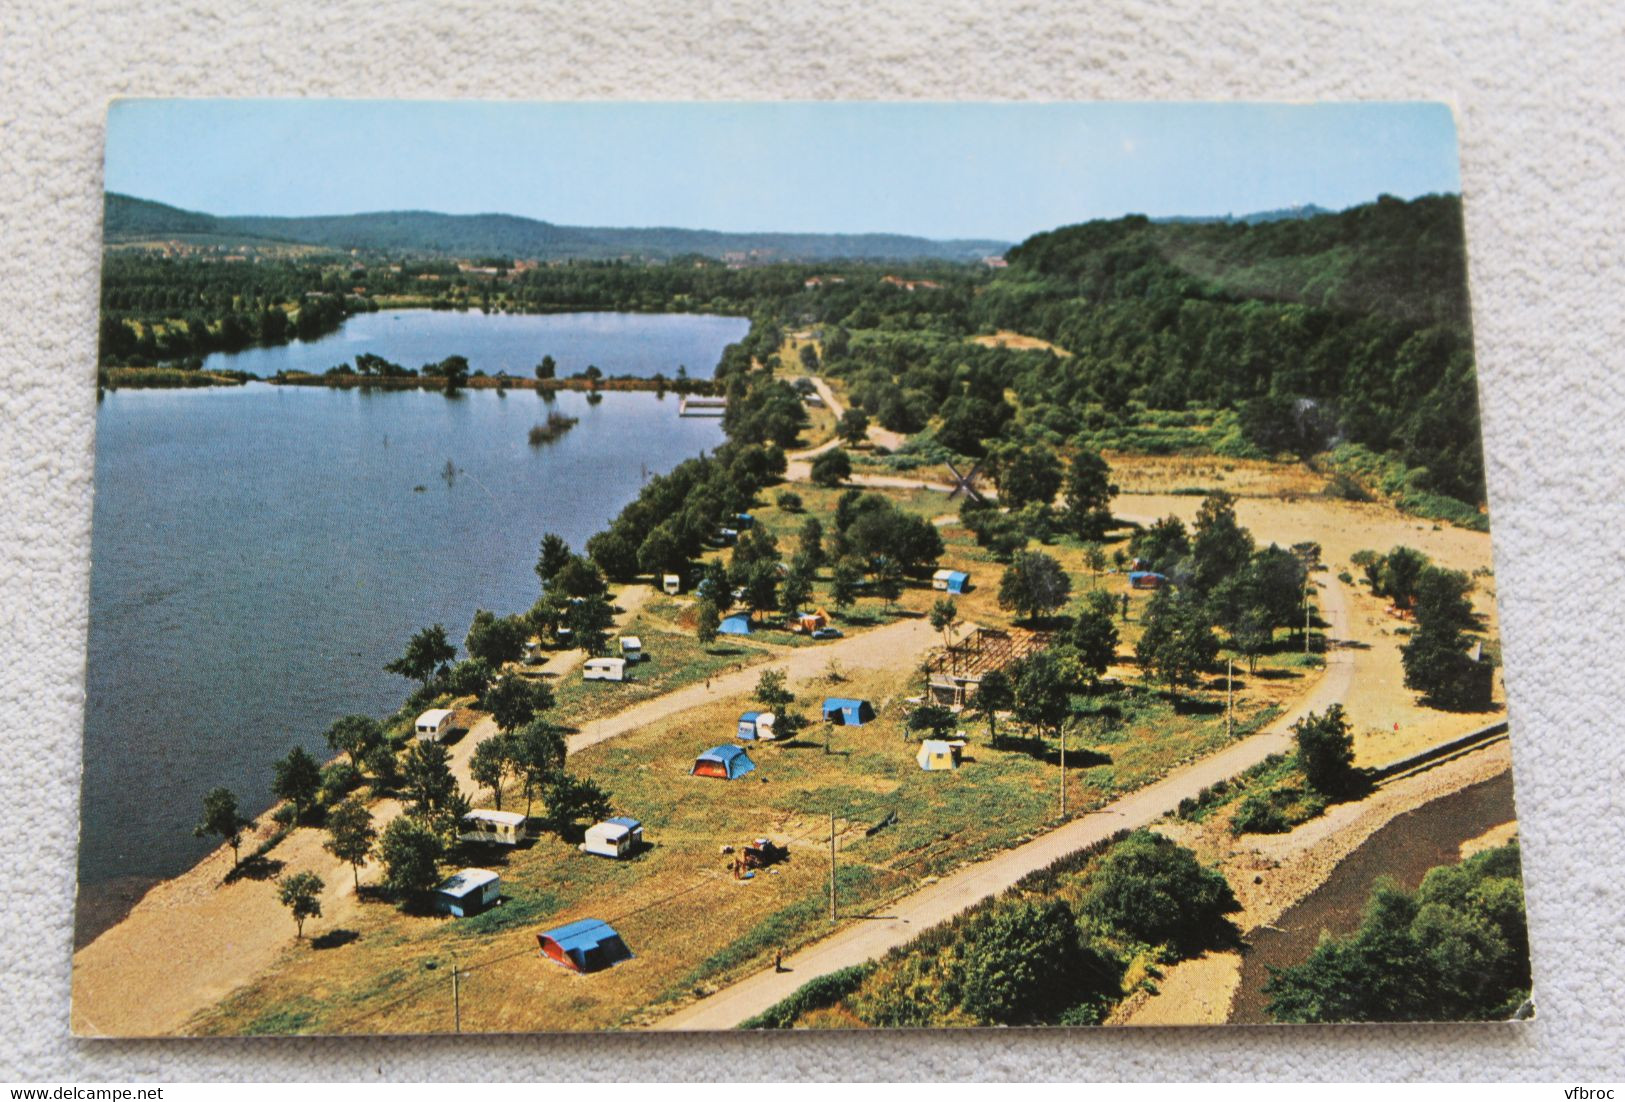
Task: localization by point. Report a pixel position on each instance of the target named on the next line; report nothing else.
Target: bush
(1326, 750)
(816, 994)
(339, 779)
(1258, 815)
(789, 501)
(1153, 890)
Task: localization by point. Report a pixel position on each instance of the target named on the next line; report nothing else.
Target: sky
(1001, 171)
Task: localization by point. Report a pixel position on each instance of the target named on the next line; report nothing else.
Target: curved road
(942, 900)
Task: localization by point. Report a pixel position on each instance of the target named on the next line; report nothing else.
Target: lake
(259, 553)
(618, 344)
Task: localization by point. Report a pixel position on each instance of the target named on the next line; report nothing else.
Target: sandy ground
(191, 941)
(1006, 338)
(801, 461)
(1271, 873)
(1388, 720)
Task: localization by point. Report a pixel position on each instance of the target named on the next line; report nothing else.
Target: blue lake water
(619, 344)
(259, 553)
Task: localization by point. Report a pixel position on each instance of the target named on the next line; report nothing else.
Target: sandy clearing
(1008, 338)
(1389, 721)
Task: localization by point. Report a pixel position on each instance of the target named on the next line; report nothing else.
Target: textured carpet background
(1538, 93)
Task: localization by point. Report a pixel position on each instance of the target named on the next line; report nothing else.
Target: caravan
(604, 669)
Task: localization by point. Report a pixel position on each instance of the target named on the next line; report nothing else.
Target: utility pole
(832, 866)
(1229, 698)
(1306, 621)
(456, 999)
(1063, 770)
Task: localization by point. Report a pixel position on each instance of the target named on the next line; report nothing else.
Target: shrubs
(813, 995)
(1457, 949)
(1326, 751)
(1154, 890)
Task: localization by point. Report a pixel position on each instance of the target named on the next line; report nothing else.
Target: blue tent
(747, 724)
(735, 625)
(723, 762)
(585, 946)
(847, 712)
(957, 580)
(744, 520)
(1146, 579)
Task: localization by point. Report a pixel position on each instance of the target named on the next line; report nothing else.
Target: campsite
(954, 581)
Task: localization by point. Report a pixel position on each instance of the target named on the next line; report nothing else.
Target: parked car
(827, 633)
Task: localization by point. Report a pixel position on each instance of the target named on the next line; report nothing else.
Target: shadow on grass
(256, 867)
(334, 939)
(1077, 757)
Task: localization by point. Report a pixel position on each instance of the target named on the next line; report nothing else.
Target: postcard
(613, 566)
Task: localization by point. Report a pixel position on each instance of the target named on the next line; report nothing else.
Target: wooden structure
(955, 673)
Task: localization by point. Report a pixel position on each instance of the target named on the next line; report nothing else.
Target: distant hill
(1280, 214)
(412, 232)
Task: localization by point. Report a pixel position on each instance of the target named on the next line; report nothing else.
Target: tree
(1024, 962)
(1094, 636)
(297, 778)
(428, 780)
(547, 369)
(426, 657)
(1044, 684)
(1396, 575)
(578, 577)
(354, 735)
(1162, 546)
(514, 701)
(760, 582)
(538, 755)
(554, 554)
(994, 695)
(1153, 890)
(1177, 642)
(1442, 603)
(795, 591)
(496, 640)
(843, 584)
(454, 369)
(571, 799)
(301, 893)
(930, 720)
(410, 853)
(944, 615)
(589, 620)
(811, 542)
(1455, 950)
(809, 357)
(772, 692)
(222, 819)
(1026, 473)
(853, 427)
(1094, 558)
(1089, 492)
(888, 579)
(1438, 666)
(1220, 546)
(384, 767)
(1033, 585)
(470, 677)
(1326, 750)
(831, 468)
(707, 622)
(350, 836)
(491, 763)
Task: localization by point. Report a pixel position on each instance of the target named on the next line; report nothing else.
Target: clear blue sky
(934, 169)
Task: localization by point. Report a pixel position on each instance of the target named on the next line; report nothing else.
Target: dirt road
(940, 901)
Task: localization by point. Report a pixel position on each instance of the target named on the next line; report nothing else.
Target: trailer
(433, 725)
(496, 828)
(619, 838)
(604, 669)
(467, 892)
